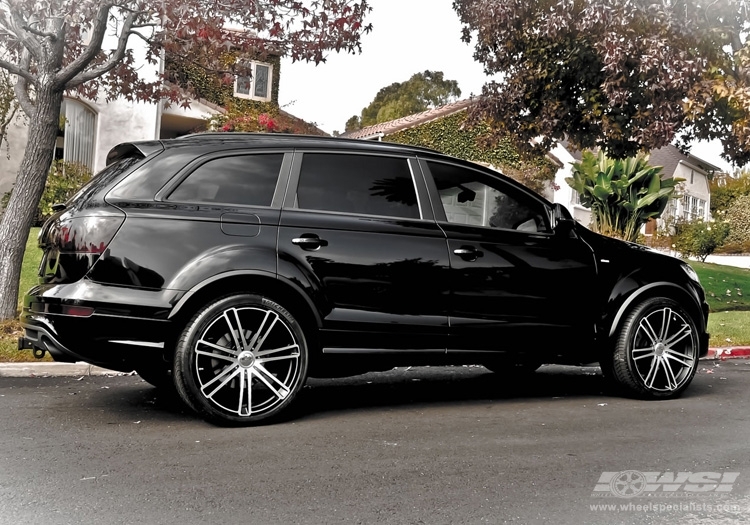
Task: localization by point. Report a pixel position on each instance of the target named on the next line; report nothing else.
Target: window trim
(251, 95)
(291, 201)
(515, 188)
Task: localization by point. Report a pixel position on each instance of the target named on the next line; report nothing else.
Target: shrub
(63, 181)
(699, 239)
(738, 217)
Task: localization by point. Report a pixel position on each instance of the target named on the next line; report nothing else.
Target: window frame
(163, 195)
(253, 64)
(423, 204)
(508, 186)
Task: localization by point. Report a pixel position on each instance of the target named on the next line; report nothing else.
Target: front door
(516, 286)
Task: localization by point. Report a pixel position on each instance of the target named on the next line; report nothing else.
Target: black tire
(244, 374)
(157, 373)
(655, 350)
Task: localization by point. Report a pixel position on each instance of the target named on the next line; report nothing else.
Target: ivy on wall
(211, 86)
(450, 135)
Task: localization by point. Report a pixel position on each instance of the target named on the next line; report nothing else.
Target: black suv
(233, 266)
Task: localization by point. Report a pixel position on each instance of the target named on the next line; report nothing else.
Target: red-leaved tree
(55, 47)
(624, 76)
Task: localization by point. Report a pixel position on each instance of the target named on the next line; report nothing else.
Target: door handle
(309, 242)
(468, 253)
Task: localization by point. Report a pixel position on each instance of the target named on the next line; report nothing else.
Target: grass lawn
(729, 328)
(727, 290)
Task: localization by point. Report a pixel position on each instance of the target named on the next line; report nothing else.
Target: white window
(257, 86)
(693, 207)
(79, 133)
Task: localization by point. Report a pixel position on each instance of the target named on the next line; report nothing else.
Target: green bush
(699, 239)
(63, 181)
(738, 217)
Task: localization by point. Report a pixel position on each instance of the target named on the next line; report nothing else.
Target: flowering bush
(699, 239)
(264, 117)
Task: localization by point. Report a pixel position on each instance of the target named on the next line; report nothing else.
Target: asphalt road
(423, 445)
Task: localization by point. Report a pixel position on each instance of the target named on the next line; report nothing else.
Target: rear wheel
(240, 360)
(656, 350)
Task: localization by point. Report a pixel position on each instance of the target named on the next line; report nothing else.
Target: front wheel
(240, 360)
(656, 350)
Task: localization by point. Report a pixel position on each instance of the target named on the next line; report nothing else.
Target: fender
(639, 292)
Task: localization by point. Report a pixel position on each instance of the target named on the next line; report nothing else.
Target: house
(694, 196)
(444, 129)
(93, 127)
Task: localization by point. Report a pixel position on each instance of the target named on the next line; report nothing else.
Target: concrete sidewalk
(46, 369)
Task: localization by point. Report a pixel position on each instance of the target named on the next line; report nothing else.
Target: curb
(31, 369)
(54, 370)
(722, 354)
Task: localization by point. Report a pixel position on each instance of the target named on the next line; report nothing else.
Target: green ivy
(450, 135)
(209, 86)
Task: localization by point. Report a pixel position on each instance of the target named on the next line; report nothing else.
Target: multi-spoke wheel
(656, 352)
(240, 360)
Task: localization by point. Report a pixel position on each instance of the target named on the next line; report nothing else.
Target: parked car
(232, 267)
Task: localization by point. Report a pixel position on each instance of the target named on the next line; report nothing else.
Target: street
(421, 445)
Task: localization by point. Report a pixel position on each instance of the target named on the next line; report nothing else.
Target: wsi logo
(632, 483)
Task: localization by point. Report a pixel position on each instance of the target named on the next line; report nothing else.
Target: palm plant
(623, 194)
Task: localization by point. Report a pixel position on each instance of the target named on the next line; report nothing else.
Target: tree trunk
(24, 199)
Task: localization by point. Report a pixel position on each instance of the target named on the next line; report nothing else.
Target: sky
(408, 36)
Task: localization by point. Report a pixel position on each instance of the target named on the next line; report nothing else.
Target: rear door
(358, 231)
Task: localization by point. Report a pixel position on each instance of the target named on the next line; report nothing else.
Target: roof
(234, 140)
(668, 157)
(410, 121)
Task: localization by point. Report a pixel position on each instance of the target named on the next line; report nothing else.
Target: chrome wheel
(242, 359)
(656, 350)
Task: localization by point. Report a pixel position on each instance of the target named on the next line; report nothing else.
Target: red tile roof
(410, 121)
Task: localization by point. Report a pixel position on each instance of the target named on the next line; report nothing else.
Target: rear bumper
(117, 335)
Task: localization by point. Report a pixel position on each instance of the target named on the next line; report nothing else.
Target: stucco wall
(564, 194)
(10, 158)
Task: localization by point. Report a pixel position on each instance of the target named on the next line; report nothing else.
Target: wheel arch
(651, 290)
(281, 290)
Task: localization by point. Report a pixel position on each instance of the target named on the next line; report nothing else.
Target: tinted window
(242, 179)
(470, 197)
(83, 198)
(364, 184)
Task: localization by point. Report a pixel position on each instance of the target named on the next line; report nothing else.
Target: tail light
(85, 235)
(73, 244)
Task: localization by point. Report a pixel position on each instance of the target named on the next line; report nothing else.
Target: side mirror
(563, 221)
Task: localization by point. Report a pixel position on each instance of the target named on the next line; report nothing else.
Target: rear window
(248, 180)
(102, 179)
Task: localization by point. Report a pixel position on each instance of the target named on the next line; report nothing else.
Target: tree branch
(42, 34)
(17, 70)
(28, 41)
(114, 59)
(21, 88)
(95, 45)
